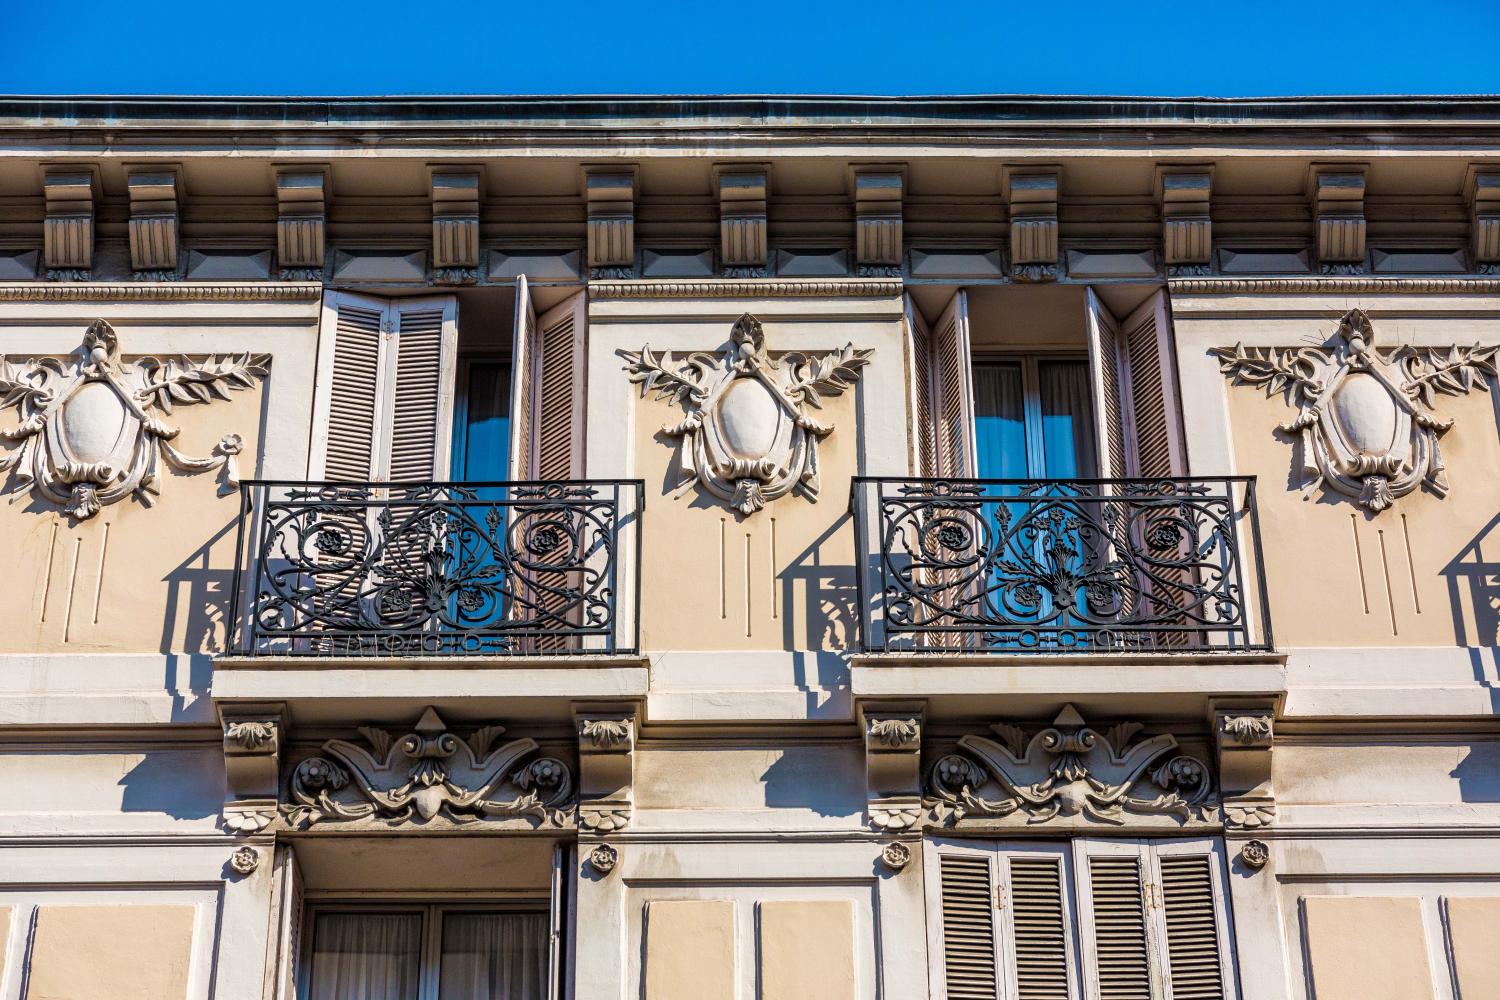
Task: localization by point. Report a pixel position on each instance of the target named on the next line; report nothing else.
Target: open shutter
(969, 943)
(346, 417)
(563, 865)
(1193, 920)
(1118, 964)
(1155, 405)
(424, 360)
(522, 385)
(953, 392)
(919, 390)
(1104, 374)
(285, 938)
(561, 377)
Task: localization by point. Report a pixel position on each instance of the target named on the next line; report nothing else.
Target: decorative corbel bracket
(610, 193)
(606, 764)
(743, 191)
(1032, 193)
(893, 764)
(455, 225)
(154, 193)
(1337, 194)
(877, 219)
(1244, 734)
(252, 764)
(1186, 225)
(68, 233)
(302, 195)
(1482, 191)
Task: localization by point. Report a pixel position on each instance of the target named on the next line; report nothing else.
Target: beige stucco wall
(121, 952)
(690, 950)
(1367, 948)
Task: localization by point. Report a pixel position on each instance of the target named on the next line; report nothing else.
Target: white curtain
(1068, 443)
(494, 956)
(366, 956)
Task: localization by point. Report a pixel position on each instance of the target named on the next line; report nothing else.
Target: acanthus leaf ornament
(1366, 417)
(90, 432)
(749, 436)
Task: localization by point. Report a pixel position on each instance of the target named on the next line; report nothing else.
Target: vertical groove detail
(72, 585)
(47, 576)
(747, 584)
(1411, 566)
(723, 575)
(775, 604)
(1385, 568)
(99, 579)
(1359, 562)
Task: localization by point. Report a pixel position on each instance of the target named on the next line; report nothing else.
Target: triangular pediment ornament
(749, 435)
(1365, 415)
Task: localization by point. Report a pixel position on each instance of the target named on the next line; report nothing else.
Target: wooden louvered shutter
(1104, 373)
(346, 419)
(968, 942)
(522, 385)
(558, 410)
(1154, 403)
(1193, 920)
(424, 351)
(285, 939)
(953, 392)
(1118, 963)
(1039, 924)
(919, 394)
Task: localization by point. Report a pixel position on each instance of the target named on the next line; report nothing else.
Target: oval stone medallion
(749, 416)
(1366, 414)
(94, 419)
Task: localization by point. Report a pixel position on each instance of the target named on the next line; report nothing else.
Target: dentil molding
(1366, 416)
(749, 436)
(91, 431)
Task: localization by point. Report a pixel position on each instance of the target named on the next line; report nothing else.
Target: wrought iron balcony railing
(437, 569)
(1060, 566)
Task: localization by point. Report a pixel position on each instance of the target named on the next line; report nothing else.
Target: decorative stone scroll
(429, 773)
(893, 765)
(606, 766)
(90, 431)
(252, 765)
(749, 436)
(1071, 772)
(1245, 734)
(1365, 416)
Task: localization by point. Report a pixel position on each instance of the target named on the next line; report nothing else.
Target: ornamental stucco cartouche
(89, 432)
(749, 437)
(1366, 417)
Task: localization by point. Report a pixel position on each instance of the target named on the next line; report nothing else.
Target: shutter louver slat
(415, 410)
(948, 400)
(1193, 959)
(968, 928)
(1040, 927)
(352, 395)
(920, 344)
(555, 433)
(1104, 362)
(1124, 963)
(1153, 440)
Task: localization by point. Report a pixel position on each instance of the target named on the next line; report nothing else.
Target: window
(1033, 418)
(481, 421)
(427, 953)
(1090, 920)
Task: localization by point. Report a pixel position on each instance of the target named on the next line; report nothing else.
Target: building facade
(749, 549)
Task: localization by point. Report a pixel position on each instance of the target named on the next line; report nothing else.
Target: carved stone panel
(750, 435)
(1365, 415)
(91, 428)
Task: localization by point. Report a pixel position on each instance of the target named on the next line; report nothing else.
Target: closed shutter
(522, 386)
(1192, 898)
(1036, 893)
(919, 401)
(952, 392)
(345, 426)
(561, 368)
(1104, 372)
(422, 399)
(969, 943)
(1116, 940)
(1155, 405)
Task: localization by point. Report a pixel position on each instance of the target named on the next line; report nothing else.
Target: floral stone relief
(1366, 417)
(750, 436)
(91, 431)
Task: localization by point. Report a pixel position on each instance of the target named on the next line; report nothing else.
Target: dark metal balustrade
(1060, 566)
(437, 569)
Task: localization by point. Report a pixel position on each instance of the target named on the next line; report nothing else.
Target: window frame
(460, 446)
(1030, 362)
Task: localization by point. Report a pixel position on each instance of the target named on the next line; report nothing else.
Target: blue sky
(773, 46)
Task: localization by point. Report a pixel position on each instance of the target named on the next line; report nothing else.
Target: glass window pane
(999, 421)
(483, 443)
(494, 956)
(366, 956)
(1067, 421)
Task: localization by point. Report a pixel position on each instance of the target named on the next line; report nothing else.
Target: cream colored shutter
(285, 939)
(522, 385)
(346, 416)
(1117, 956)
(968, 941)
(952, 392)
(1151, 377)
(1040, 926)
(919, 390)
(1104, 372)
(423, 362)
(1193, 920)
(561, 368)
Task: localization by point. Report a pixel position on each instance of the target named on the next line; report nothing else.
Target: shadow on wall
(806, 778)
(1478, 773)
(183, 784)
(1474, 580)
(198, 599)
(829, 609)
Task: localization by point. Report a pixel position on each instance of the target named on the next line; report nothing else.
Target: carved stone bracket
(1337, 194)
(154, 192)
(301, 221)
(1032, 194)
(743, 190)
(455, 225)
(893, 764)
(610, 193)
(1071, 773)
(1482, 191)
(68, 234)
(1365, 416)
(1186, 225)
(606, 765)
(91, 428)
(877, 220)
(430, 774)
(1244, 734)
(252, 764)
